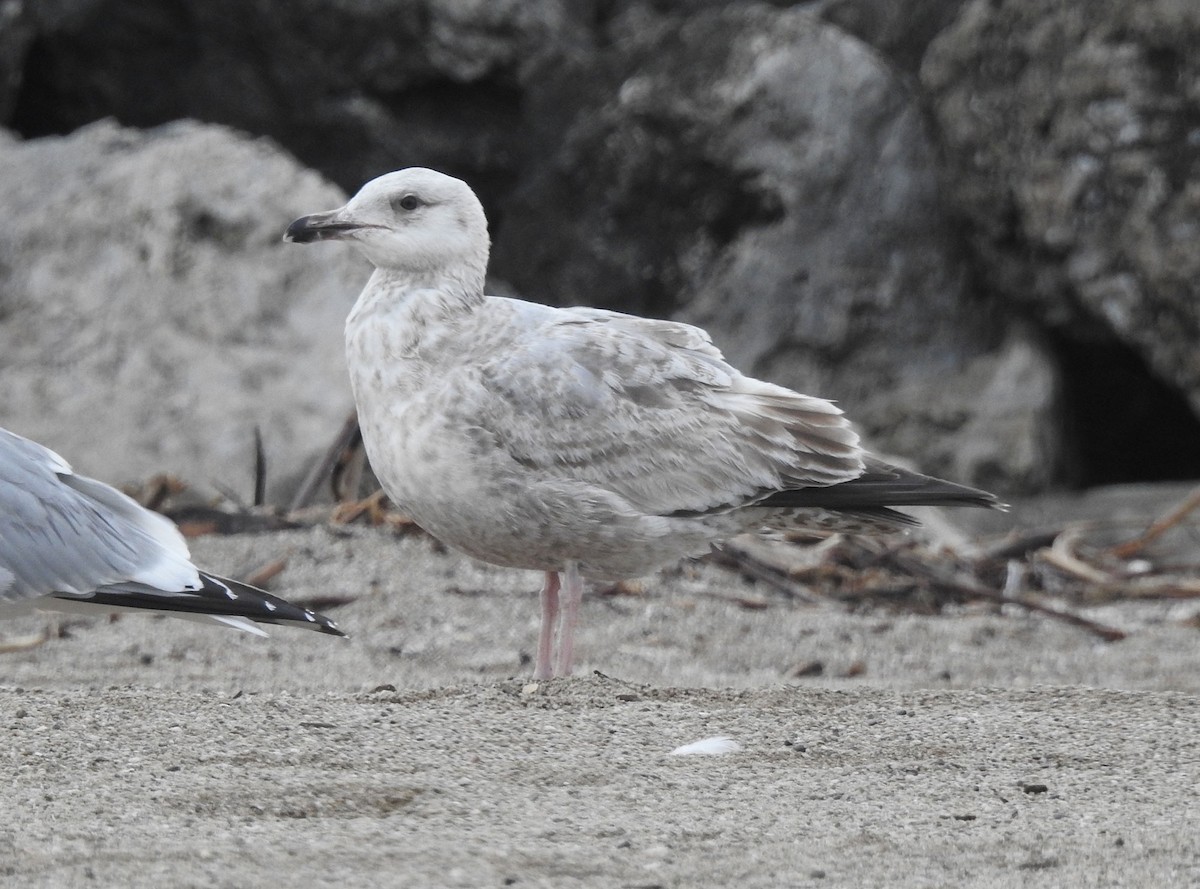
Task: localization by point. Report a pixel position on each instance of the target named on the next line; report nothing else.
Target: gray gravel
(971, 750)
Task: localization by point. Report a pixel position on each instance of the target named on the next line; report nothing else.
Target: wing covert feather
(650, 410)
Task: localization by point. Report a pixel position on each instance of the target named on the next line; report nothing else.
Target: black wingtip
(328, 627)
(242, 600)
(884, 485)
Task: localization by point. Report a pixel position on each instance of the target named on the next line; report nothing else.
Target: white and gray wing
(79, 541)
(63, 533)
(651, 411)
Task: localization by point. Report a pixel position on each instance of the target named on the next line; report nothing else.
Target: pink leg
(543, 669)
(572, 596)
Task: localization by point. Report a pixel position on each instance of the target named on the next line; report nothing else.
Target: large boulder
(151, 317)
(1072, 137)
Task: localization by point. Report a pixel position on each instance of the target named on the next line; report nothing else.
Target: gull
(575, 441)
(71, 543)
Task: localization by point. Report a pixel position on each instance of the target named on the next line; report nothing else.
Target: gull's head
(415, 220)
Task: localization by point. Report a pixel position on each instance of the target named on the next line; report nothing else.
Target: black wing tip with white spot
(262, 607)
(218, 597)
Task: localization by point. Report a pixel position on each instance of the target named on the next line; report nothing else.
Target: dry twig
(260, 469)
(324, 468)
(1061, 554)
(1133, 547)
(972, 589)
(732, 556)
(264, 574)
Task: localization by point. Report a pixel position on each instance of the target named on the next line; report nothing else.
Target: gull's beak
(320, 227)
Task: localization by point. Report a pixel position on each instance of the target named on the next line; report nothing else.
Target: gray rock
(996, 419)
(900, 31)
(1072, 137)
(766, 176)
(353, 89)
(151, 317)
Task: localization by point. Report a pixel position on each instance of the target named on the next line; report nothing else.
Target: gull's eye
(408, 203)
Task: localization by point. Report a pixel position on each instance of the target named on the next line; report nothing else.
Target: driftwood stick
(260, 469)
(1061, 554)
(740, 560)
(971, 588)
(1158, 528)
(25, 643)
(265, 573)
(374, 506)
(323, 468)
(347, 473)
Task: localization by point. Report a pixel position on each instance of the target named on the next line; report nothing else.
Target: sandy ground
(968, 750)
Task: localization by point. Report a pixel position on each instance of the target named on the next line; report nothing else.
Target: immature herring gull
(71, 543)
(574, 441)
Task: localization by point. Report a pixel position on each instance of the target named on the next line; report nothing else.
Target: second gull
(71, 543)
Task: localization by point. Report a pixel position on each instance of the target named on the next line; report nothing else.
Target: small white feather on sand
(718, 746)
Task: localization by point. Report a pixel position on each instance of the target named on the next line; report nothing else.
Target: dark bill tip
(319, 227)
